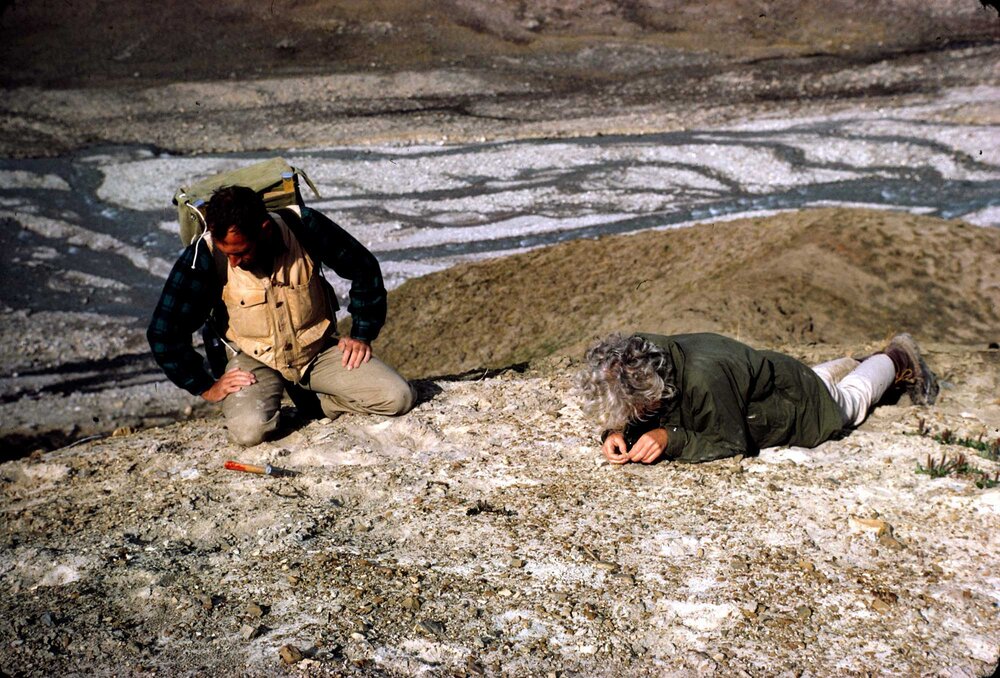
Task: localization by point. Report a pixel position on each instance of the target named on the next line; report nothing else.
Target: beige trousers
(253, 413)
(857, 387)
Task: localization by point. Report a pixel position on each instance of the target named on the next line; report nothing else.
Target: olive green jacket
(733, 399)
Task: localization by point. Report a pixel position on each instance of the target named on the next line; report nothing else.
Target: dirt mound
(829, 276)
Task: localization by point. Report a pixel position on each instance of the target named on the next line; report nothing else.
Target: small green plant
(984, 448)
(986, 481)
(958, 465)
(945, 466)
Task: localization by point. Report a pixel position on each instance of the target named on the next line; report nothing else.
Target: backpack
(274, 180)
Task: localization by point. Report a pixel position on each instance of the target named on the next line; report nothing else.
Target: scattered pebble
(249, 632)
(290, 654)
(430, 627)
(880, 605)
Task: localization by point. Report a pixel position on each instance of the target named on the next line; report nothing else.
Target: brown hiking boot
(912, 372)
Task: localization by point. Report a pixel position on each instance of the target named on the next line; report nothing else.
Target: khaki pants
(857, 387)
(252, 413)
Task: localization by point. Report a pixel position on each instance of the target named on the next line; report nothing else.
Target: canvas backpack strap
(189, 216)
(221, 262)
(214, 329)
(291, 217)
(300, 172)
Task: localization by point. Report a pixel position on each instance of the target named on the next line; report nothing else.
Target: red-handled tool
(249, 468)
(266, 470)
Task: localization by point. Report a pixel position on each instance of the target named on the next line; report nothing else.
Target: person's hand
(230, 382)
(356, 352)
(649, 446)
(614, 448)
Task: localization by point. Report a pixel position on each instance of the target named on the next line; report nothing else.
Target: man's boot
(912, 372)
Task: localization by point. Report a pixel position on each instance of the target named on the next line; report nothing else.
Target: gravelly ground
(455, 104)
(482, 534)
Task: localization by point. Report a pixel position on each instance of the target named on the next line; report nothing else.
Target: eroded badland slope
(828, 276)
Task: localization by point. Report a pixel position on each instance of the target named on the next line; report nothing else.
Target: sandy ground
(482, 534)
(809, 277)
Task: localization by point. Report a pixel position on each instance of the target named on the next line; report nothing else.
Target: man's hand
(356, 352)
(615, 449)
(230, 382)
(649, 446)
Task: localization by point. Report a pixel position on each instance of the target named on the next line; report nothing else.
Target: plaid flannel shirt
(191, 293)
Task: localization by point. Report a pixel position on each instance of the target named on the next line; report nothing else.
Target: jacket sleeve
(715, 428)
(348, 258)
(187, 298)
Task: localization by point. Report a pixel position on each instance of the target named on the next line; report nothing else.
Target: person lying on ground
(699, 397)
(258, 275)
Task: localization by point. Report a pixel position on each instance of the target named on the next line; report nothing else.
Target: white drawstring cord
(197, 242)
(204, 232)
(194, 260)
(223, 340)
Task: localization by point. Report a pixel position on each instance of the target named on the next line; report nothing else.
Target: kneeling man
(699, 397)
(258, 275)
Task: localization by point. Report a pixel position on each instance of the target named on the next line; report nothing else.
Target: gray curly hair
(625, 379)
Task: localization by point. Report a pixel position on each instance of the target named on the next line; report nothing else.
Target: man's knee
(246, 437)
(391, 401)
(401, 400)
(248, 430)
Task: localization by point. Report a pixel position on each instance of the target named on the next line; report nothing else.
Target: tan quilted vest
(283, 320)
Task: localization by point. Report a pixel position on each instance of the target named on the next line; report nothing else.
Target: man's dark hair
(235, 207)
